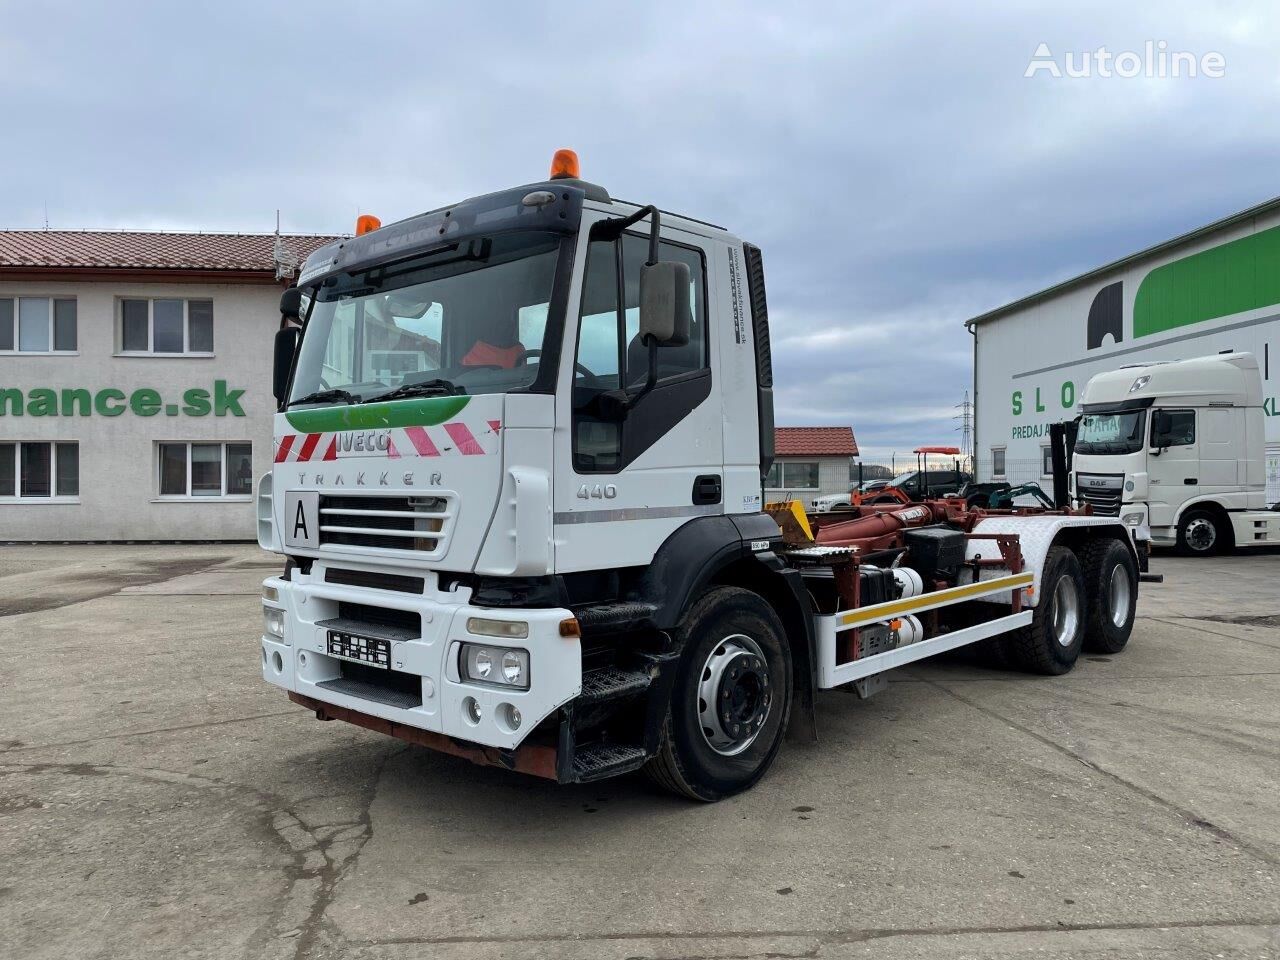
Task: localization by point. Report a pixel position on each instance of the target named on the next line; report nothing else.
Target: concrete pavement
(158, 799)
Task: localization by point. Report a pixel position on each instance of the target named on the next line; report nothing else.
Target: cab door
(1173, 466)
(623, 485)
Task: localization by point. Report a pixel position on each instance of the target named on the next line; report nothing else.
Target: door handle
(1191, 481)
(706, 489)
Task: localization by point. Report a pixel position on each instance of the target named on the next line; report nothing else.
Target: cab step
(615, 617)
(612, 683)
(601, 760)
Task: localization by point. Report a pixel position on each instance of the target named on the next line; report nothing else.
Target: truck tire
(1111, 583)
(1053, 641)
(1199, 534)
(730, 700)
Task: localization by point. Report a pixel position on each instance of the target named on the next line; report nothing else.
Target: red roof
(814, 442)
(135, 250)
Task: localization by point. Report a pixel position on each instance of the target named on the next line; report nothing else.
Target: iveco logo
(364, 442)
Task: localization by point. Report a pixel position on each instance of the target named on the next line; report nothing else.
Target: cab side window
(1178, 428)
(610, 355)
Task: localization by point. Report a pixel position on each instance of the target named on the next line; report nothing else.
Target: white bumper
(300, 662)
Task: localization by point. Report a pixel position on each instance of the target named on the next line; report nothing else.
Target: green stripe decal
(1231, 278)
(415, 412)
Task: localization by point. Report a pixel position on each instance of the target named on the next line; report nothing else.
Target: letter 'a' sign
(301, 527)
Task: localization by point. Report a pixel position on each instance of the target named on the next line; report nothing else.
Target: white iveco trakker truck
(518, 486)
(1178, 447)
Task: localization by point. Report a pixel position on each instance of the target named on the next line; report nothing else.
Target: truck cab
(1177, 447)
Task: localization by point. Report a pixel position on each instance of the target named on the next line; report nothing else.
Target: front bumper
(430, 694)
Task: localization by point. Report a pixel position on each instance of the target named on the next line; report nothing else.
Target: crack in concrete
(312, 850)
(1187, 622)
(1189, 816)
(18, 746)
(335, 868)
(825, 937)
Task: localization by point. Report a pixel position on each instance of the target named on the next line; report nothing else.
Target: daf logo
(1099, 483)
(370, 441)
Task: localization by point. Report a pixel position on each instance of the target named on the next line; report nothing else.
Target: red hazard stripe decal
(282, 451)
(309, 446)
(467, 443)
(332, 452)
(421, 442)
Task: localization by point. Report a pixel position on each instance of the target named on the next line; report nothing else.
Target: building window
(204, 470)
(1046, 461)
(997, 462)
(37, 325)
(793, 475)
(40, 470)
(167, 327)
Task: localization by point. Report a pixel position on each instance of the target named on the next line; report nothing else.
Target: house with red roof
(810, 462)
(135, 381)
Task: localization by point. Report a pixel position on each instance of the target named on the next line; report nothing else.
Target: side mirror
(664, 303)
(1161, 427)
(291, 304)
(286, 345)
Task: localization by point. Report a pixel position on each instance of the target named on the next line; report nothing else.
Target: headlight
(1132, 519)
(496, 666)
(273, 622)
(510, 629)
(270, 593)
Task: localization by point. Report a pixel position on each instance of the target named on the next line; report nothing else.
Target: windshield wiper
(327, 396)
(424, 388)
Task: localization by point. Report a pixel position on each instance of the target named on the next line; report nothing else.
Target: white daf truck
(518, 488)
(1177, 446)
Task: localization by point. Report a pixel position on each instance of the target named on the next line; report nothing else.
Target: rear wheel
(1111, 579)
(1052, 643)
(730, 702)
(1199, 534)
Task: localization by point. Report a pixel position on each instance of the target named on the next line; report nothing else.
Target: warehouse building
(810, 462)
(135, 381)
(1211, 290)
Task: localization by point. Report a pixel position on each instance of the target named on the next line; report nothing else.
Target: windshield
(1119, 432)
(467, 319)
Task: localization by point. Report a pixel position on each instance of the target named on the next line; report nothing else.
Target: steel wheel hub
(1119, 594)
(1066, 611)
(1201, 534)
(734, 695)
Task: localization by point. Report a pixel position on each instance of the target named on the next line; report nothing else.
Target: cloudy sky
(896, 167)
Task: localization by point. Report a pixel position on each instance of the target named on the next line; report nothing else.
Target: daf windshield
(1119, 432)
(467, 319)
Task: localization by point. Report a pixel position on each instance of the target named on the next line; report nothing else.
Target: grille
(1105, 500)
(385, 523)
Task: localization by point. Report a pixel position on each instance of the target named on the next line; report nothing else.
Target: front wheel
(731, 698)
(1198, 534)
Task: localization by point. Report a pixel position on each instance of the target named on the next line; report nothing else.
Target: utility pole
(965, 416)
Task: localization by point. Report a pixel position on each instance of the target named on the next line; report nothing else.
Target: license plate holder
(371, 651)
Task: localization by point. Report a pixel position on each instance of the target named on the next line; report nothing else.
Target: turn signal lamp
(366, 222)
(564, 165)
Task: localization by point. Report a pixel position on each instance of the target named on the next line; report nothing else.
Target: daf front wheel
(731, 698)
(1198, 534)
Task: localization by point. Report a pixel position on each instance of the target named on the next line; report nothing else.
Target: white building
(1212, 290)
(810, 462)
(135, 382)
